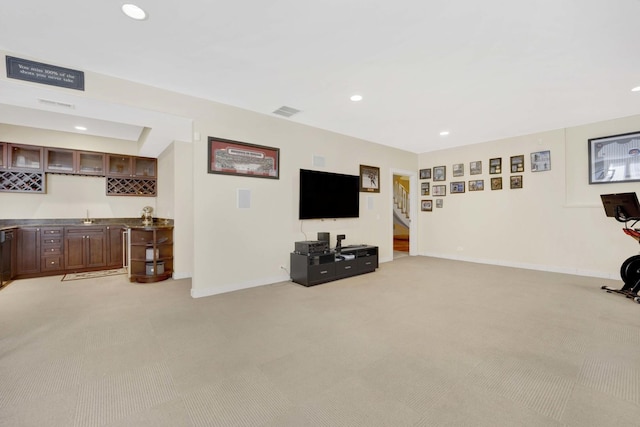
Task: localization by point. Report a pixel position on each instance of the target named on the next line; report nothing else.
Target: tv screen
(328, 195)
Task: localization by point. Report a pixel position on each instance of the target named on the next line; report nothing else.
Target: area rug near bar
(93, 274)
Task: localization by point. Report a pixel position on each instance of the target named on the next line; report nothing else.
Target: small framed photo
(457, 187)
(541, 161)
(458, 169)
(426, 205)
(439, 203)
(475, 168)
(516, 181)
(496, 183)
(424, 188)
(495, 166)
(425, 173)
(440, 173)
(439, 190)
(517, 163)
(476, 185)
(614, 158)
(369, 179)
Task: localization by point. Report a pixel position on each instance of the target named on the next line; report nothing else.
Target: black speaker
(324, 237)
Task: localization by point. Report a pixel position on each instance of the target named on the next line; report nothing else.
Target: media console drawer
(321, 273)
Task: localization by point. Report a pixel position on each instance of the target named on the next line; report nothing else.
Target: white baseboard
(527, 266)
(222, 289)
(177, 275)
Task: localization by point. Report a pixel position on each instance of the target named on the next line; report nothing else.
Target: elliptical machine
(624, 207)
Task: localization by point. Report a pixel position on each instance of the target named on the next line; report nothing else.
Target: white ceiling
(481, 70)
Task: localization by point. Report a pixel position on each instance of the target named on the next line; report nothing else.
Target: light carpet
(420, 342)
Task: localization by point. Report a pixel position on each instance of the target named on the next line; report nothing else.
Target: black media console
(314, 269)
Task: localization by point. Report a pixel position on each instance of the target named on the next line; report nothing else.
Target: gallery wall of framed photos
(434, 182)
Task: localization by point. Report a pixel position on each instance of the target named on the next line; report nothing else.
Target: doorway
(401, 215)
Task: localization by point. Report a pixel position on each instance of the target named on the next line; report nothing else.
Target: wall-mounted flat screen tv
(328, 195)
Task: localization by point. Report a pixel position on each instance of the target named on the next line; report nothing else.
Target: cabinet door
(90, 163)
(28, 251)
(57, 160)
(74, 251)
(3, 155)
(114, 246)
(144, 167)
(24, 157)
(118, 165)
(96, 250)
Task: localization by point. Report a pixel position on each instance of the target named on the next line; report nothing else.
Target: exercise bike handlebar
(621, 217)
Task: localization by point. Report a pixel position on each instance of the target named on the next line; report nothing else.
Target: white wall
(555, 222)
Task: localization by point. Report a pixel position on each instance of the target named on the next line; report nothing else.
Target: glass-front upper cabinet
(24, 157)
(144, 167)
(3, 155)
(90, 163)
(59, 160)
(119, 165)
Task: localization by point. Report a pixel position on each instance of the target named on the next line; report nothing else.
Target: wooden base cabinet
(150, 253)
(28, 251)
(85, 247)
(115, 246)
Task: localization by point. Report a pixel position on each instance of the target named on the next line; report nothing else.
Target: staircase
(400, 205)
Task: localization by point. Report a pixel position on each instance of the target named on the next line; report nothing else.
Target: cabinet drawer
(51, 250)
(367, 263)
(321, 273)
(51, 263)
(346, 268)
(51, 232)
(52, 240)
(80, 231)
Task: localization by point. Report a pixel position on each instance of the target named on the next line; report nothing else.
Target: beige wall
(236, 248)
(555, 222)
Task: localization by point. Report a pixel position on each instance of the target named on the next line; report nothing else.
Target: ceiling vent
(56, 103)
(286, 111)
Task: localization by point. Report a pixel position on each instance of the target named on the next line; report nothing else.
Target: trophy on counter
(147, 217)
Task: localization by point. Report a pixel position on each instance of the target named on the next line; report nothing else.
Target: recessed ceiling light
(134, 12)
(80, 128)
(356, 98)
(636, 89)
(444, 133)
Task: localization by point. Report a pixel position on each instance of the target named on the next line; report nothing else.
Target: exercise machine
(624, 207)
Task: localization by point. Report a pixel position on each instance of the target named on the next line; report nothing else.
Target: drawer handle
(347, 267)
(53, 262)
(324, 272)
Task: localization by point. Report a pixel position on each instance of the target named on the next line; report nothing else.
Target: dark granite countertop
(7, 224)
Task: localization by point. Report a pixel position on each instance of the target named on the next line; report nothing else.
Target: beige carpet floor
(420, 342)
